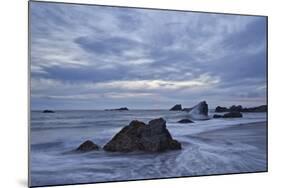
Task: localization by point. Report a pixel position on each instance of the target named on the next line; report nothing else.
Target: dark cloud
(108, 55)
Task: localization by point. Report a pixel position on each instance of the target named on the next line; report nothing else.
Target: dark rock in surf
(185, 121)
(177, 107)
(233, 115)
(48, 111)
(217, 116)
(199, 111)
(87, 146)
(138, 136)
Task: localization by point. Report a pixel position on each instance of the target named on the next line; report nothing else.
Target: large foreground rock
(177, 107)
(138, 136)
(87, 146)
(199, 111)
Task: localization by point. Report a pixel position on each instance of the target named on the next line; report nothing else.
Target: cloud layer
(92, 57)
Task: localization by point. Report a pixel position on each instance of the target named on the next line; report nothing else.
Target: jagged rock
(200, 111)
(87, 146)
(217, 116)
(233, 115)
(185, 121)
(48, 111)
(138, 136)
(177, 107)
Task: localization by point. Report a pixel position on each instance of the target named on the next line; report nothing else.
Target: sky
(98, 57)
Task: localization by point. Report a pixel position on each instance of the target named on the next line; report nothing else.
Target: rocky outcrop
(87, 146)
(138, 136)
(185, 121)
(221, 109)
(262, 108)
(118, 109)
(234, 108)
(200, 111)
(48, 111)
(177, 107)
(233, 115)
(239, 108)
(187, 109)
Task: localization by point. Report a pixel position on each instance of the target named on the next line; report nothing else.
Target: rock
(233, 115)
(234, 108)
(138, 136)
(262, 108)
(217, 116)
(185, 121)
(118, 109)
(87, 146)
(200, 111)
(48, 111)
(221, 109)
(177, 107)
(187, 109)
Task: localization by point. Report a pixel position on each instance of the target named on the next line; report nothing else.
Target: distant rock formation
(48, 111)
(234, 108)
(87, 146)
(185, 121)
(118, 109)
(177, 107)
(138, 136)
(221, 109)
(233, 115)
(262, 108)
(200, 111)
(239, 108)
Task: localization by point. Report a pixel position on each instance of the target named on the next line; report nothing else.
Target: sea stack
(138, 136)
(199, 111)
(177, 107)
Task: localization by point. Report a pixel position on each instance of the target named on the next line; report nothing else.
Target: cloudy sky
(93, 57)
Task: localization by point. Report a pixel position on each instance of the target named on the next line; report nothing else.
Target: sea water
(215, 146)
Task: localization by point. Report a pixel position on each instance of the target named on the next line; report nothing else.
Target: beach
(215, 146)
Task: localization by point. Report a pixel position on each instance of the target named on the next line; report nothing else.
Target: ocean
(215, 146)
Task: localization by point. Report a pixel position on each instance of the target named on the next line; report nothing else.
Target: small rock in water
(87, 146)
(48, 111)
(185, 121)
